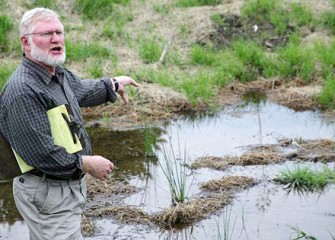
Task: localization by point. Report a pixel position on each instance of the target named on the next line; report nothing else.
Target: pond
(264, 211)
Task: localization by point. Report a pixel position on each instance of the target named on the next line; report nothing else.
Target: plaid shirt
(28, 94)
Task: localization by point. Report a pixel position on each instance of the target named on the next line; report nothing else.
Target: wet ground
(263, 211)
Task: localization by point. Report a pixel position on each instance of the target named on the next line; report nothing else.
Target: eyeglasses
(48, 34)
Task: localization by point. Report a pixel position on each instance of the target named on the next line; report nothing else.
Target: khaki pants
(51, 208)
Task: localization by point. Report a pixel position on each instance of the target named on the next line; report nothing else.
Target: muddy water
(265, 211)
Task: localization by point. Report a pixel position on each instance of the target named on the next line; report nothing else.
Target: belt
(39, 173)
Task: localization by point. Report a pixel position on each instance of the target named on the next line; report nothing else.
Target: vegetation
(5, 27)
(175, 169)
(304, 179)
(5, 72)
(204, 67)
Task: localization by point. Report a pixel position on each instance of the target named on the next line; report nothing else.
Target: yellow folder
(60, 132)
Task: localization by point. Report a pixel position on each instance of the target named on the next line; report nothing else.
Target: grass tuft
(174, 167)
(195, 3)
(304, 179)
(6, 26)
(98, 9)
(80, 50)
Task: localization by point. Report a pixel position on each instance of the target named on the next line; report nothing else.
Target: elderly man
(51, 197)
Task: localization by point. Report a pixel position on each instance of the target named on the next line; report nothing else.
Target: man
(51, 197)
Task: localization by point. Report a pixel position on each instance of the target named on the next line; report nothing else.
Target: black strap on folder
(74, 127)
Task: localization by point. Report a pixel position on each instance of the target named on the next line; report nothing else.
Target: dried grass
(123, 214)
(195, 210)
(107, 187)
(229, 183)
(87, 226)
(258, 156)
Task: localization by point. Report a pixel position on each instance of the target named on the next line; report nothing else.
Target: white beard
(42, 56)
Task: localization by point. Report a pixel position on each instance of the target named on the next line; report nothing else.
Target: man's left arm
(95, 92)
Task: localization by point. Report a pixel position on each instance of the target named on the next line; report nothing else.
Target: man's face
(47, 43)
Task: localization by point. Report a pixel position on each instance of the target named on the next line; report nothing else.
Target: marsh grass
(228, 224)
(6, 26)
(303, 179)
(174, 166)
(301, 235)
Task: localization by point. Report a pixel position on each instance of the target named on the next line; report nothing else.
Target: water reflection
(263, 211)
(8, 211)
(131, 151)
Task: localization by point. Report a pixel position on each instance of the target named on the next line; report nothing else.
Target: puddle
(264, 211)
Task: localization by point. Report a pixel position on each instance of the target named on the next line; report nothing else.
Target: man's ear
(25, 43)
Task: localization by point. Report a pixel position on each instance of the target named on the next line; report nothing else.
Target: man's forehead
(45, 24)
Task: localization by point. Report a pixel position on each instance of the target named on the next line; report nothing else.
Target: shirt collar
(39, 70)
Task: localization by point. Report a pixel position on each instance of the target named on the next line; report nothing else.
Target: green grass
(150, 49)
(297, 61)
(6, 26)
(174, 167)
(114, 25)
(5, 71)
(327, 96)
(328, 19)
(97, 9)
(305, 179)
(43, 3)
(260, 10)
(198, 88)
(80, 50)
(203, 55)
(195, 3)
(326, 55)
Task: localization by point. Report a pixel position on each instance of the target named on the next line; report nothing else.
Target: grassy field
(208, 43)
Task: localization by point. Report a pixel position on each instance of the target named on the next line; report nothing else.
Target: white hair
(30, 17)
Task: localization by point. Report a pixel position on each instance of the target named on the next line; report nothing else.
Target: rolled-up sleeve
(90, 92)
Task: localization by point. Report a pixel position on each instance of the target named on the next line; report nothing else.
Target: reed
(174, 166)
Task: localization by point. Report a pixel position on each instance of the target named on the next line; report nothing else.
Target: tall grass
(6, 26)
(150, 49)
(174, 166)
(97, 9)
(328, 19)
(326, 56)
(228, 225)
(327, 96)
(198, 88)
(297, 61)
